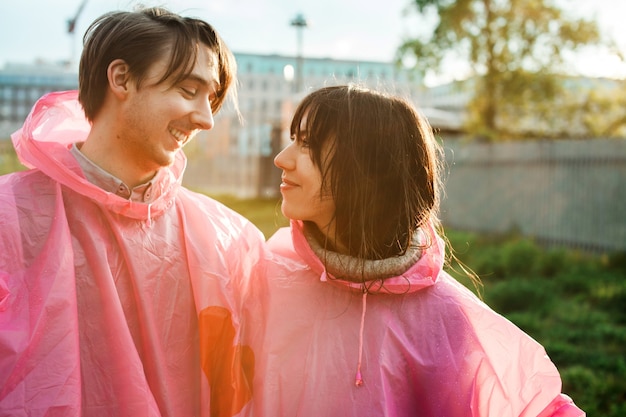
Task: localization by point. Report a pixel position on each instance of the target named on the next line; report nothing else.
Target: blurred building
(236, 157)
(565, 193)
(22, 84)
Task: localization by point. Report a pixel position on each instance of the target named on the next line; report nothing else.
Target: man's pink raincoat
(97, 293)
(426, 345)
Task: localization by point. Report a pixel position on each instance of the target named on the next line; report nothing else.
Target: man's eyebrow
(213, 86)
(197, 78)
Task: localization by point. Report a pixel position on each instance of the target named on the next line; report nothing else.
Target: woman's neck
(326, 237)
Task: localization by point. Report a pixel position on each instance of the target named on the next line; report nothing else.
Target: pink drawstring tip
(324, 277)
(359, 380)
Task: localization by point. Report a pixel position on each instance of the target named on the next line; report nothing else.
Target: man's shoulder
(195, 203)
(202, 201)
(27, 208)
(31, 184)
(208, 214)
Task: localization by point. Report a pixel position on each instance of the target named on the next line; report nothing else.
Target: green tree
(514, 47)
(603, 111)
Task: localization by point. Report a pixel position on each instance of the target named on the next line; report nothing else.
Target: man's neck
(107, 156)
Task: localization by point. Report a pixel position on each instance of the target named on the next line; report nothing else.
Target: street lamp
(71, 30)
(299, 22)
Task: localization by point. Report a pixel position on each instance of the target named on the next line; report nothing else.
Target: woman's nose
(282, 160)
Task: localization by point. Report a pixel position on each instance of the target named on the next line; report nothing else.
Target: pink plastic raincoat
(427, 346)
(97, 293)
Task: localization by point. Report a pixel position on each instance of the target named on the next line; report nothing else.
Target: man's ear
(118, 75)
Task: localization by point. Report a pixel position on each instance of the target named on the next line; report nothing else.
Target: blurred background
(528, 98)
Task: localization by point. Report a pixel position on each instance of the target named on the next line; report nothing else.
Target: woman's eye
(301, 140)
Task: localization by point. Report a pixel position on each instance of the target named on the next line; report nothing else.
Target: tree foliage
(603, 111)
(514, 47)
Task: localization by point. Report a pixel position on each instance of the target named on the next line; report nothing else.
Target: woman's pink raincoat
(97, 293)
(426, 346)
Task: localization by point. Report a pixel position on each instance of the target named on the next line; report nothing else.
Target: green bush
(610, 296)
(520, 257)
(519, 295)
(551, 262)
(597, 394)
(617, 261)
(574, 282)
(489, 264)
(576, 382)
(529, 322)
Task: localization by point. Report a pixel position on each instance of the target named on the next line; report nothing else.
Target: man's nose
(202, 116)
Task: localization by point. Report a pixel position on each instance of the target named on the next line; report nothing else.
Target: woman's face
(301, 185)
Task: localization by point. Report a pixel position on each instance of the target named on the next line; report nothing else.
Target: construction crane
(71, 23)
(71, 29)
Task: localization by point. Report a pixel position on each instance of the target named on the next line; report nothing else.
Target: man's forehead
(205, 67)
(207, 64)
(211, 55)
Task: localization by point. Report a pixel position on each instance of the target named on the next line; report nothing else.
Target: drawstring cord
(359, 379)
(149, 219)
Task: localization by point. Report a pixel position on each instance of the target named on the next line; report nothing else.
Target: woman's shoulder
(499, 357)
(488, 331)
(280, 239)
(282, 250)
(454, 295)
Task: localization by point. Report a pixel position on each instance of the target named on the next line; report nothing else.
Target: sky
(342, 29)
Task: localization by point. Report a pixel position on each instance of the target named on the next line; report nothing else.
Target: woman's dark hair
(379, 161)
(141, 38)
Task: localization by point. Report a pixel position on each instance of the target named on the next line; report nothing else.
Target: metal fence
(564, 193)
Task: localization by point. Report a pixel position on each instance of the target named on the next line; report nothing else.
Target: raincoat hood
(417, 270)
(56, 122)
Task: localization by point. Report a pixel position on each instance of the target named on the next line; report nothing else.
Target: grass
(264, 213)
(8, 159)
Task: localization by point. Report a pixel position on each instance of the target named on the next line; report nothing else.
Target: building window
(6, 93)
(5, 111)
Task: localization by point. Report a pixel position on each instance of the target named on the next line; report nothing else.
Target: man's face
(157, 120)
